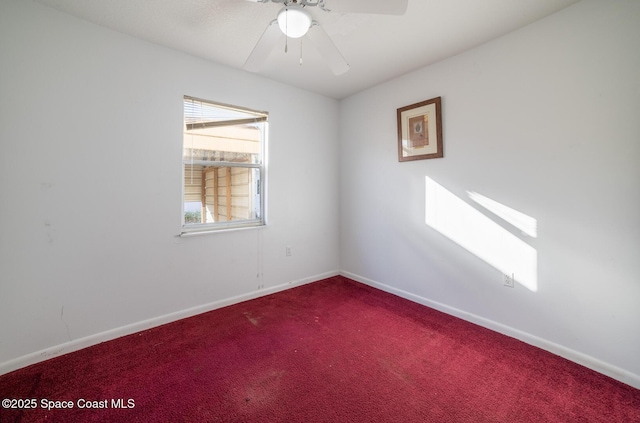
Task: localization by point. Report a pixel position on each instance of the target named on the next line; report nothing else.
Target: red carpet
(331, 351)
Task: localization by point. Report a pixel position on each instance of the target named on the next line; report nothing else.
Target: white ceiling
(377, 47)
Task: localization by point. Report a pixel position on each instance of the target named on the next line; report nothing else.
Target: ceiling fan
(295, 21)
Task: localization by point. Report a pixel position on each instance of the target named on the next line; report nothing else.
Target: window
(223, 166)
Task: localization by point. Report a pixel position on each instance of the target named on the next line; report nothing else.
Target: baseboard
(112, 334)
(592, 363)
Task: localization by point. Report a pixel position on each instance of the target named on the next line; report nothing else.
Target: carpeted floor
(331, 351)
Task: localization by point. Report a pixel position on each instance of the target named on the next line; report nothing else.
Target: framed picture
(420, 131)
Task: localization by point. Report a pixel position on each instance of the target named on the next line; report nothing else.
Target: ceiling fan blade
(382, 7)
(265, 45)
(327, 49)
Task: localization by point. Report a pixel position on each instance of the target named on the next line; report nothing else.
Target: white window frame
(259, 189)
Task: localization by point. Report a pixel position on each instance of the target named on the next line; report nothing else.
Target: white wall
(544, 121)
(87, 117)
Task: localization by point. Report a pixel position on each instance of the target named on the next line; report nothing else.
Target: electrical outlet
(509, 280)
(287, 250)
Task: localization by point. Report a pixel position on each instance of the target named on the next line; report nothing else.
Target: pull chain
(301, 52)
(286, 31)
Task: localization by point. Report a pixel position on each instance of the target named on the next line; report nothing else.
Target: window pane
(240, 144)
(218, 187)
(222, 164)
(215, 133)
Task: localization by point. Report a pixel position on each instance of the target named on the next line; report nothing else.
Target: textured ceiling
(377, 47)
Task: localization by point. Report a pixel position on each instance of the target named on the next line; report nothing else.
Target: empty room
(406, 211)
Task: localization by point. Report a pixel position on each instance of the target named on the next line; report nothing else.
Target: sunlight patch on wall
(527, 224)
(481, 236)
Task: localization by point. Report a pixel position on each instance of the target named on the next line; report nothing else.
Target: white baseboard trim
(87, 341)
(592, 363)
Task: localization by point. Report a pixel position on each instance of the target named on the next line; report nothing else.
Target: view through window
(223, 166)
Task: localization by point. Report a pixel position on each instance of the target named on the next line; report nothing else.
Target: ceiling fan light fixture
(294, 21)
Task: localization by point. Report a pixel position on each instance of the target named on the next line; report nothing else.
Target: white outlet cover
(509, 280)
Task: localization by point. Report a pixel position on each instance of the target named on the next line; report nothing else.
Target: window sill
(219, 229)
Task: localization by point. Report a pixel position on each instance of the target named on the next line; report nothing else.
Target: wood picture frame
(420, 131)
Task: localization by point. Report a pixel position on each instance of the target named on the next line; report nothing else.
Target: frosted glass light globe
(294, 21)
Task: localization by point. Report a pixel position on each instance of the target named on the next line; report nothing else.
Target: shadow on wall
(481, 236)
